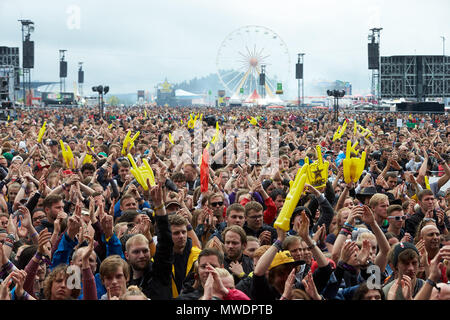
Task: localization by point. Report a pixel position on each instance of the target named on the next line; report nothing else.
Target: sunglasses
(398, 218)
(216, 204)
(429, 219)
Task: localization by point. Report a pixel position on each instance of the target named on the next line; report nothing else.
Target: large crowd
(82, 218)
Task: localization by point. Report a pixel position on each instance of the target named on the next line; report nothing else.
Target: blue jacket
(66, 247)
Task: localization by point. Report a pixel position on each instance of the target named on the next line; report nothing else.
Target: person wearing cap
(73, 144)
(304, 248)
(404, 258)
(17, 160)
(277, 264)
(172, 206)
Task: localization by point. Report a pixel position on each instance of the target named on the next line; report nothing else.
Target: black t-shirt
(180, 264)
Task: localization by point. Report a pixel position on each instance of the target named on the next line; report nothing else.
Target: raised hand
(368, 216)
(310, 286)
(289, 286)
(107, 225)
(303, 231)
(19, 276)
(236, 268)
(73, 226)
(348, 251)
(364, 253)
(87, 253)
(43, 240)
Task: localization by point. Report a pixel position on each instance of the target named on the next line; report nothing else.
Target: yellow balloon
(41, 132)
(295, 191)
(142, 173)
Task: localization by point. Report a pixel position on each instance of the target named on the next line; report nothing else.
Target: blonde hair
(138, 238)
(224, 273)
(365, 236)
(376, 199)
(133, 291)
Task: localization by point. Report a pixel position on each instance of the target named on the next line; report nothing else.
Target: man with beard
(236, 261)
(53, 205)
(153, 277)
(185, 252)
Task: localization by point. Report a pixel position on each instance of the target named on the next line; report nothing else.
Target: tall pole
(443, 70)
(301, 81)
(27, 29)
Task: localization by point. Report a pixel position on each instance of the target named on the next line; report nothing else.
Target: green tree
(113, 101)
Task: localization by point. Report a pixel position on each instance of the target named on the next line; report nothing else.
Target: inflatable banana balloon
(171, 139)
(128, 143)
(295, 191)
(67, 155)
(353, 167)
(42, 132)
(142, 173)
(427, 182)
(88, 157)
(216, 136)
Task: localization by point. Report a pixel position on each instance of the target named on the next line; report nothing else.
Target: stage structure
(415, 77)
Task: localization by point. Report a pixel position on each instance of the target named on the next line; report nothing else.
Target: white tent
(180, 93)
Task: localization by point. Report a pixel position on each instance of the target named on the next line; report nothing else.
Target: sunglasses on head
(398, 218)
(216, 204)
(429, 219)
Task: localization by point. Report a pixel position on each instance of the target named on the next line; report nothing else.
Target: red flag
(204, 171)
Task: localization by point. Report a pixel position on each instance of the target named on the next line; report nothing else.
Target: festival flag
(204, 171)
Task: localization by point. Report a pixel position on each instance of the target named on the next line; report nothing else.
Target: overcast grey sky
(133, 45)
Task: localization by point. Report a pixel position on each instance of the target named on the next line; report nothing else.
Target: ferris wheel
(242, 56)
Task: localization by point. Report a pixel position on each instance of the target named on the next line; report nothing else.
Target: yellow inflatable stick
(427, 182)
(171, 138)
(216, 136)
(41, 132)
(355, 128)
(145, 114)
(253, 121)
(110, 126)
(142, 173)
(295, 191)
(365, 131)
(352, 148)
(340, 131)
(129, 143)
(353, 167)
(191, 122)
(88, 157)
(317, 172)
(67, 155)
